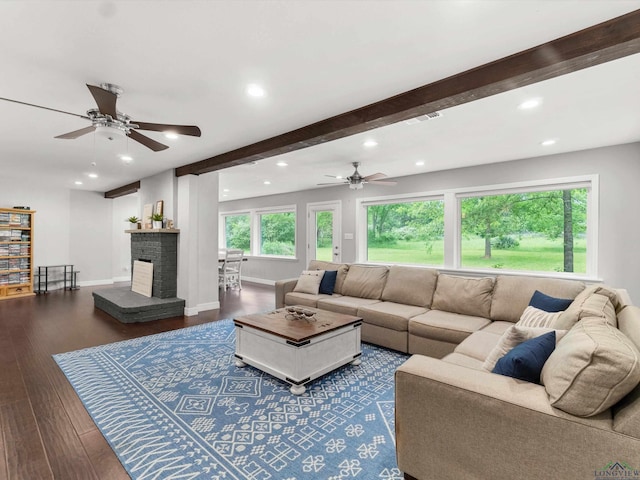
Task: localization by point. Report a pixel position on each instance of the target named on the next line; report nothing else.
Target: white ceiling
(188, 62)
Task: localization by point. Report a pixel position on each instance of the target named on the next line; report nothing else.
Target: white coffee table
(297, 351)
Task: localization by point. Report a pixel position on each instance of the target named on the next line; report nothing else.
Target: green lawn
(533, 253)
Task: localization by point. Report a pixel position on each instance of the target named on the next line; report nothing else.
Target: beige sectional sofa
(454, 418)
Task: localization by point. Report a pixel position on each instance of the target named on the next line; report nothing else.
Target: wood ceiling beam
(122, 191)
(598, 44)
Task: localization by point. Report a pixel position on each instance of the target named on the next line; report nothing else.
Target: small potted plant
(157, 218)
(133, 220)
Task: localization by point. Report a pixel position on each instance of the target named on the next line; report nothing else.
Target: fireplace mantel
(154, 230)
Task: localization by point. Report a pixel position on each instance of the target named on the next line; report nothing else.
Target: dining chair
(229, 272)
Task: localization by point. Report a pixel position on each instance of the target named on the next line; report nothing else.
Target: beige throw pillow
(534, 317)
(514, 336)
(593, 368)
(309, 282)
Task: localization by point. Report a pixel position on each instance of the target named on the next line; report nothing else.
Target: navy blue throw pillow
(549, 304)
(526, 360)
(328, 282)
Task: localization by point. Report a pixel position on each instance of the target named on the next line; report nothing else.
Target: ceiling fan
(106, 120)
(357, 181)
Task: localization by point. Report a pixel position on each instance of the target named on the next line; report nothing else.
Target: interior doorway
(323, 234)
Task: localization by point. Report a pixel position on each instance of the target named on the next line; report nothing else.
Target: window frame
(453, 222)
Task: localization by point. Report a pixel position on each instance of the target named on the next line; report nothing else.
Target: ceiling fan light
(109, 133)
(356, 186)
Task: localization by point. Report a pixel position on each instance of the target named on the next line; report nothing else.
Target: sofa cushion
(464, 360)
(344, 304)
(309, 282)
(478, 345)
(497, 327)
(525, 361)
(590, 304)
(328, 282)
(467, 296)
(445, 326)
(593, 367)
(365, 281)
(548, 303)
(410, 285)
(513, 337)
(512, 294)
(389, 314)
(341, 268)
(306, 299)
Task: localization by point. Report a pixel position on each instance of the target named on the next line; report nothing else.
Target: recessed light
(225, 190)
(419, 163)
(126, 158)
(78, 182)
(339, 177)
(267, 182)
(255, 90)
(529, 104)
(282, 164)
(546, 143)
(171, 135)
(92, 175)
(370, 143)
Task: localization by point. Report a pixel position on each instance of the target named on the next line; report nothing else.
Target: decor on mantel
(157, 219)
(134, 222)
(146, 215)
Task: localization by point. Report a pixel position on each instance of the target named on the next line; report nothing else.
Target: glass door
(323, 238)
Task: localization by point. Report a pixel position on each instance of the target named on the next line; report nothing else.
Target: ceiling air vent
(423, 118)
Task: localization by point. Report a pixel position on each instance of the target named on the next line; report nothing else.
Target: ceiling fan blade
(45, 108)
(161, 127)
(374, 176)
(77, 133)
(146, 141)
(105, 100)
(382, 182)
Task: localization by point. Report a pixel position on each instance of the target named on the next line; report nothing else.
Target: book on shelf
(4, 218)
(25, 250)
(5, 235)
(4, 264)
(4, 250)
(14, 264)
(25, 220)
(16, 235)
(14, 278)
(4, 279)
(14, 219)
(14, 250)
(25, 277)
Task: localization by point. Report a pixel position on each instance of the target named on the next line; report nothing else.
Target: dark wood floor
(46, 432)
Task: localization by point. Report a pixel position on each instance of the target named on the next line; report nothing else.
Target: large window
(548, 227)
(278, 234)
(266, 231)
(406, 232)
(538, 231)
(237, 231)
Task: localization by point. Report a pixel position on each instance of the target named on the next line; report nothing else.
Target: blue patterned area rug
(174, 405)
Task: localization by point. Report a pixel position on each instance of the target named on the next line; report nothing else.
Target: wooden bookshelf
(16, 253)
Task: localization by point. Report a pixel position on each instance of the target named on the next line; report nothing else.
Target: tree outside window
(537, 231)
(406, 232)
(278, 234)
(237, 231)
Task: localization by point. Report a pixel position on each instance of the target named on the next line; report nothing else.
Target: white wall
(159, 187)
(90, 239)
(123, 208)
(51, 221)
(618, 168)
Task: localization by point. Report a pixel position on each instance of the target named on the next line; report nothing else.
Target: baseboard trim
(203, 307)
(262, 281)
(91, 283)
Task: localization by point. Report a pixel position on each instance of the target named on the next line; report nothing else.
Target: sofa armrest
(282, 288)
(465, 423)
